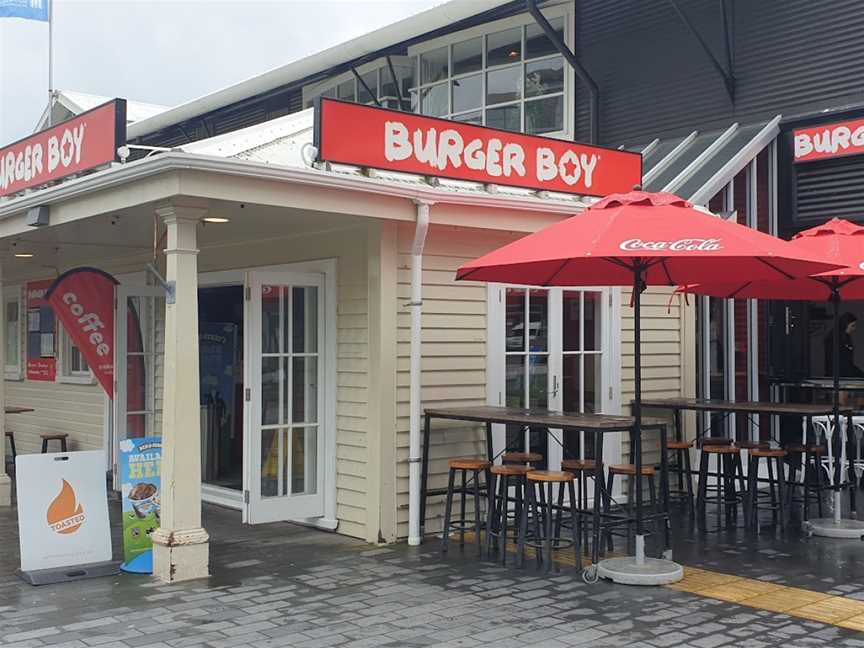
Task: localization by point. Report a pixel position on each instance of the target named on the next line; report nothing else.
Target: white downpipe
(416, 304)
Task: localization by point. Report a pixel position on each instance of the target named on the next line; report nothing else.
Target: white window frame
(610, 344)
(65, 374)
(14, 371)
(414, 52)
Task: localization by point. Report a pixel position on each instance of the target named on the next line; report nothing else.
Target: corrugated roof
(79, 102)
(287, 141)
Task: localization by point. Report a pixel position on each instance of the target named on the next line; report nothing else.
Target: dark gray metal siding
(833, 188)
(790, 57)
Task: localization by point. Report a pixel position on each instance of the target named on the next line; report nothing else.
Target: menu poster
(41, 333)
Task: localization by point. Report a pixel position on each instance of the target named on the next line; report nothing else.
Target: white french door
(285, 419)
(139, 317)
(552, 348)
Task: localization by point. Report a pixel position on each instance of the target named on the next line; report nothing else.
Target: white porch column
(5, 481)
(181, 548)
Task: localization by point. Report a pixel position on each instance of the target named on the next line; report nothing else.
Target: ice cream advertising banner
(83, 300)
(84, 142)
(62, 510)
(367, 136)
(140, 469)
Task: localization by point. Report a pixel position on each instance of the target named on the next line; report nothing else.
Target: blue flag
(28, 9)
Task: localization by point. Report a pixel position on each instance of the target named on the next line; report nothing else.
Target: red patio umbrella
(641, 238)
(842, 243)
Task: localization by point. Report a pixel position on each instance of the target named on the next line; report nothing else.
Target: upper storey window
(512, 78)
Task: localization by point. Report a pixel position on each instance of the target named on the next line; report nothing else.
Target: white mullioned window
(73, 366)
(506, 75)
(13, 328)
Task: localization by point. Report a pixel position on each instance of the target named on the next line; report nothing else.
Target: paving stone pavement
(284, 585)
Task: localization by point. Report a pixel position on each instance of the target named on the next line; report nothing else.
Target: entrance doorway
(267, 387)
(220, 348)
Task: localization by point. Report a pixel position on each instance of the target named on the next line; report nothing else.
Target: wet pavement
(285, 585)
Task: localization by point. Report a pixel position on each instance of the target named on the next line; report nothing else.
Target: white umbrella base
(653, 571)
(831, 528)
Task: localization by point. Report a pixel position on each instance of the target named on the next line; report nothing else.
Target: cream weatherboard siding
(453, 349)
(667, 342)
(78, 410)
(348, 247)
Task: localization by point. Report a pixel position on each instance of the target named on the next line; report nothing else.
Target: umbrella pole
(636, 437)
(639, 570)
(837, 440)
(836, 526)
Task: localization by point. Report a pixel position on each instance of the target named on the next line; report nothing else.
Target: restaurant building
(281, 366)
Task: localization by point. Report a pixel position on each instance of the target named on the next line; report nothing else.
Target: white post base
(5, 490)
(180, 555)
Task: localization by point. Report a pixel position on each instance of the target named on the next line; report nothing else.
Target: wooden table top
(10, 409)
(542, 417)
(716, 405)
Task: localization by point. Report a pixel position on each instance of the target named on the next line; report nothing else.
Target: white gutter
(176, 161)
(414, 398)
(412, 27)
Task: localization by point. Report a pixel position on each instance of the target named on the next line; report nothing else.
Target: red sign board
(41, 331)
(368, 136)
(833, 140)
(89, 140)
(83, 300)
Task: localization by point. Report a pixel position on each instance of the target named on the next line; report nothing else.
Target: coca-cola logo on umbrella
(681, 245)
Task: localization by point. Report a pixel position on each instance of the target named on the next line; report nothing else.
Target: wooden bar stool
(475, 467)
(54, 436)
(776, 486)
(545, 539)
(521, 458)
(810, 480)
(583, 469)
(728, 467)
(629, 471)
(11, 437)
(681, 467)
(503, 477)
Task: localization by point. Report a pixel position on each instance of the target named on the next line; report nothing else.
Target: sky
(169, 51)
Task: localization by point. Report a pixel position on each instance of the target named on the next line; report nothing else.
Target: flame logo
(65, 515)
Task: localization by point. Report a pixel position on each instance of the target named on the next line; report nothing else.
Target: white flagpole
(50, 59)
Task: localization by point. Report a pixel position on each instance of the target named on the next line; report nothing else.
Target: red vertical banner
(83, 300)
(41, 333)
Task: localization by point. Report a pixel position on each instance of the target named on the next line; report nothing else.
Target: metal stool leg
(477, 527)
(702, 495)
(448, 507)
(576, 522)
(493, 485)
(462, 508)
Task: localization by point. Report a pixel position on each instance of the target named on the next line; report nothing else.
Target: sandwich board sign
(64, 532)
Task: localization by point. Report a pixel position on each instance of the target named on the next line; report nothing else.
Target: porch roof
(280, 151)
(698, 165)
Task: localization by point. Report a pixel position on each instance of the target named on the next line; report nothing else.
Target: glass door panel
(527, 364)
(139, 334)
(286, 373)
(581, 362)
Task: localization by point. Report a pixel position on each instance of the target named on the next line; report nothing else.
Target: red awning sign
(348, 133)
(84, 142)
(833, 140)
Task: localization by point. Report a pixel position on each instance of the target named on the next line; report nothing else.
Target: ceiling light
(24, 255)
(216, 219)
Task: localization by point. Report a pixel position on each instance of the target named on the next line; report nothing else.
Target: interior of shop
(220, 331)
